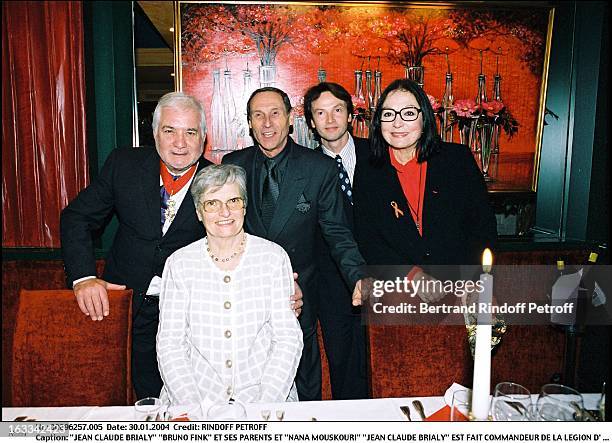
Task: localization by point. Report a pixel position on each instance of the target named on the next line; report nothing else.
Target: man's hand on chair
(92, 297)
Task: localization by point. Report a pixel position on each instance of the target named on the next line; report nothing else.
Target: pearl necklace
(226, 259)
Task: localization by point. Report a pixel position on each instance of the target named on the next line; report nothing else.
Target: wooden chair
(62, 358)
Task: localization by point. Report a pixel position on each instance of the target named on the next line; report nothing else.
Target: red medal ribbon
(173, 186)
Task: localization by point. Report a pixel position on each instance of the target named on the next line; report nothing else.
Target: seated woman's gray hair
(213, 177)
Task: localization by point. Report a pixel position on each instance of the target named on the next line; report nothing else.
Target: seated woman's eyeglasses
(408, 114)
(215, 205)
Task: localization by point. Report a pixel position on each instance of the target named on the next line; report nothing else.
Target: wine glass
(559, 403)
(232, 410)
(511, 402)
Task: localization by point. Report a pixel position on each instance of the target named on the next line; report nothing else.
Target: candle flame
(487, 260)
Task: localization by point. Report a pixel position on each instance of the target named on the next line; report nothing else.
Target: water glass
(461, 405)
(232, 410)
(147, 409)
(559, 403)
(511, 402)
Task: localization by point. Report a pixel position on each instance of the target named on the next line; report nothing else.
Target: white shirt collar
(349, 158)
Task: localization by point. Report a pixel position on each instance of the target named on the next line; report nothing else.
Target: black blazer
(309, 198)
(458, 220)
(362, 153)
(128, 186)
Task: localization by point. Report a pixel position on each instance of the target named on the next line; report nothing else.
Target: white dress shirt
(228, 334)
(349, 158)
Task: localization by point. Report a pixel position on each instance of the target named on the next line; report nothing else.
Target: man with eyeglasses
(293, 193)
(148, 191)
(328, 109)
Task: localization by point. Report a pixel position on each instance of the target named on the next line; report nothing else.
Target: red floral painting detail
(298, 40)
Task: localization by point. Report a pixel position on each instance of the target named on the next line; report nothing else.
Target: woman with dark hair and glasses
(419, 201)
(226, 329)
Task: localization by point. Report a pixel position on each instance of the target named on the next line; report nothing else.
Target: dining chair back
(409, 361)
(63, 358)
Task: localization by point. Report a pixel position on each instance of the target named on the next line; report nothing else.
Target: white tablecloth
(381, 409)
(340, 410)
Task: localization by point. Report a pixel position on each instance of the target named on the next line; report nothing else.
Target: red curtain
(44, 152)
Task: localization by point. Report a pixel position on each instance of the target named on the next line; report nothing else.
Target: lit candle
(481, 384)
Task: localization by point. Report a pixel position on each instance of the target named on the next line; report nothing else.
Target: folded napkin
(181, 418)
(443, 414)
(448, 395)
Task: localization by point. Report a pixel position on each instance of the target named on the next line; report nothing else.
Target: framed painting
(478, 63)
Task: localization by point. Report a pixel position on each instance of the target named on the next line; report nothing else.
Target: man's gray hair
(179, 100)
(214, 177)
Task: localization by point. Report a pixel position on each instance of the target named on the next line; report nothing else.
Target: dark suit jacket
(309, 198)
(458, 221)
(128, 186)
(333, 285)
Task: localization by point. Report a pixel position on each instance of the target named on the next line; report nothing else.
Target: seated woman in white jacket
(226, 328)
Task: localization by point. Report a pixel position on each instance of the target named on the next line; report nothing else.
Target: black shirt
(281, 166)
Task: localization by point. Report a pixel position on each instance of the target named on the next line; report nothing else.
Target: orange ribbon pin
(398, 211)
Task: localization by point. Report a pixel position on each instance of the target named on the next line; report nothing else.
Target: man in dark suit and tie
(131, 184)
(148, 190)
(293, 193)
(328, 109)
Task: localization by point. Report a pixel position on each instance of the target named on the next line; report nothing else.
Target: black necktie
(345, 182)
(164, 197)
(270, 192)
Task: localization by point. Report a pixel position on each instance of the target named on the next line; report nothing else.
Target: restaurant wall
(598, 226)
(44, 147)
(577, 86)
(109, 67)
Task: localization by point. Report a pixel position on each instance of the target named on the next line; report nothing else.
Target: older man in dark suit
(293, 192)
(148, 191)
